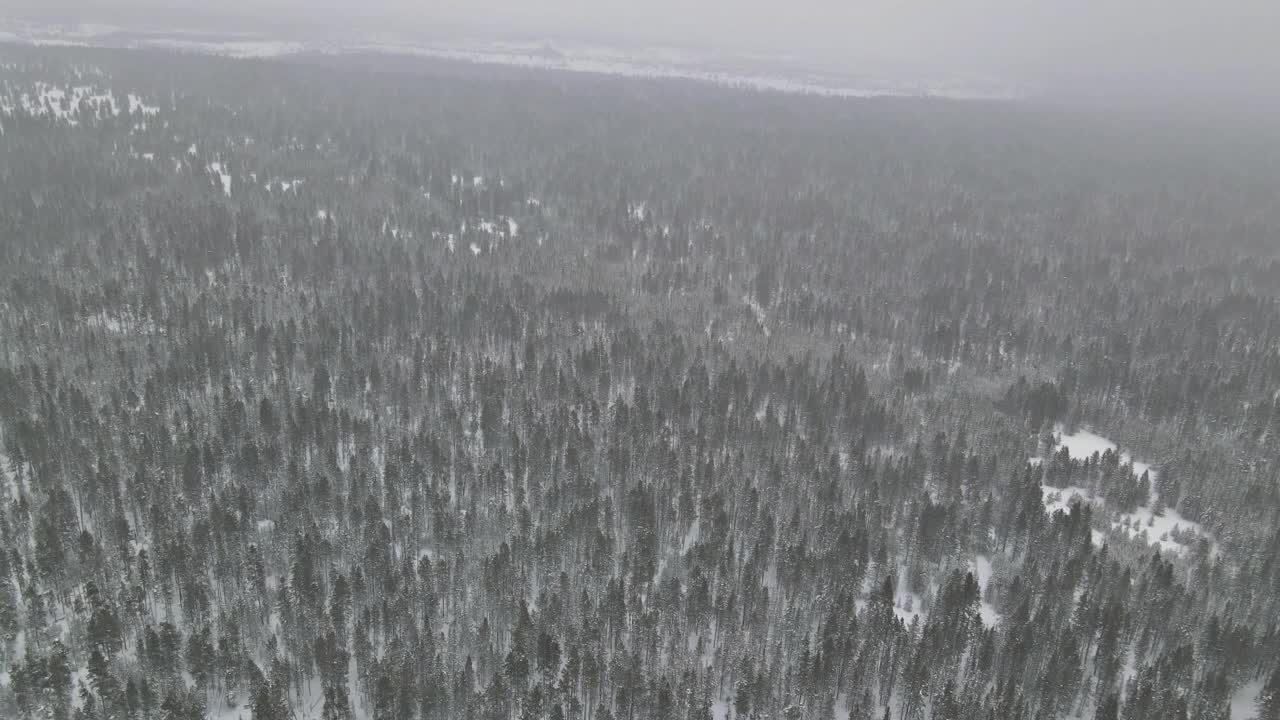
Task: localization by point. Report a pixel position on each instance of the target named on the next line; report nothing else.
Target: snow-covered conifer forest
(354, 386)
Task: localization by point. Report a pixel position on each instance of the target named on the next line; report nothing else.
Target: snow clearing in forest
(981, 568)
(70, 104)
(223, 176)
(1166, 528)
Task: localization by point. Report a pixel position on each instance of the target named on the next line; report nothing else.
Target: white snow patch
(62, 104)
(1083, 444)
(1243, 700)
(123, 323)
(217, 169)
(907, 616)
(1159, 529)
(691, 537)
(284, 185)
(235, 49)
(906, 604)
(79, 677)
(503, 225)
(1060, 498)
(136, 105)
(981, 566)
(758, 311)
(990, 616)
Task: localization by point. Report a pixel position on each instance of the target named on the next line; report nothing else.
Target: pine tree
(336, 705)
(268, 704)
(8, 610)
(1109, 708)
(1268, 702)
(201, 656)
(104, 683)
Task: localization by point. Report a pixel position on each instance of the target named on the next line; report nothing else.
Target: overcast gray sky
(1178, 43)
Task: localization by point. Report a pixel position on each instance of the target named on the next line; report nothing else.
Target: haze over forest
(574, 360)
(1185, 50)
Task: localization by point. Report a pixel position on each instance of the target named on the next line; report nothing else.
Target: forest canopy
(370, 387)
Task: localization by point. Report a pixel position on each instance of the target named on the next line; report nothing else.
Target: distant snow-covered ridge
(651, 65)
(756, 73)
(227, 48)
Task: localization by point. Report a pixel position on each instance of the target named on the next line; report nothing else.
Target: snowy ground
(1243, 706)
(65, 103)
(284, 185)
(1056, 499)
(906, 604)
(981, 566)
(1083, 443)
(1159, 529)
(232, 48)
(69, 104)
(124, 322)
(224, 176)
(761, 317)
